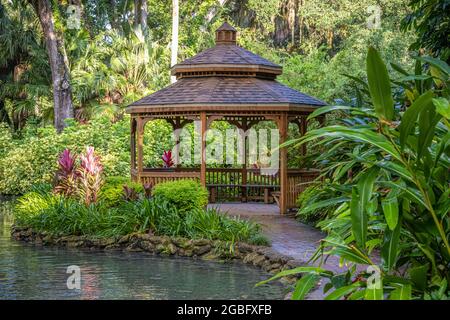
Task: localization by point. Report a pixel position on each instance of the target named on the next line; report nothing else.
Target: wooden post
(244, 128)
(303, 127)
(203, 128)
(266, 195)
(140, 150)
(176, 126)
(133, 146)
(282, 127)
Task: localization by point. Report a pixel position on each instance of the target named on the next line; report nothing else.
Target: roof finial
(226, 34)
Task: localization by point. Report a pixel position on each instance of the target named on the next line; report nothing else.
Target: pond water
(36, 272)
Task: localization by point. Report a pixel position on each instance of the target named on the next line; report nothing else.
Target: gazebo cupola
(226, 59)
(226, 34)
(226, 82)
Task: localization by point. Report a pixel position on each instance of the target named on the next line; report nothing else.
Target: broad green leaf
(357, 295)
(339, 280)
(379, 85)
(410, 192)
(316, 270)
(442, 107)
(389, 250)
(390, 210)
(304, 286)
(418, 276)
(359, 204)
(427, 126)
(440, 64)
(398, 68)
(365, 185)
(415, 77)
(327, 109)
(437, 76)
(409, 118)
(397, 169)
(375, 293)
(322, 204)
(418, 72)
(351, 134)
(356, 79)
(350, 255)
(402, 292)
(339, 293)
(359, 219)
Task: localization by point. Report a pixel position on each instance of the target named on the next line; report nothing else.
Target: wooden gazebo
(228, 83)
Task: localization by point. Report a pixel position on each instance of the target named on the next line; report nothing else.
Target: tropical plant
(67, 175)
(90, 178)
(396, 201)
(167, 159)
(116, 189)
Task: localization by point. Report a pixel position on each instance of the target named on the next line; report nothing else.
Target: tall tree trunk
(140, 15)
(113, 15)
(173, 60)
(137, 12)
(59, 65)
(143, 16)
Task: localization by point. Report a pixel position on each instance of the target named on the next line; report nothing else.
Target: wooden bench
(276, 197)
(266, 197)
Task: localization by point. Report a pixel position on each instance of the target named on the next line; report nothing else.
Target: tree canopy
(116, 51)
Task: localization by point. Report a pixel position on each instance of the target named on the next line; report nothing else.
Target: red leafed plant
(83, 180)
(66, 176)
(167, 159)
(90, 176)
(148, 187)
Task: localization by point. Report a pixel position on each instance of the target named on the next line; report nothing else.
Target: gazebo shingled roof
(226, 82)
(225, 93)
(223, 77)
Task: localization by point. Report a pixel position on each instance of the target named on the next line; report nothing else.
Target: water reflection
(35, 272)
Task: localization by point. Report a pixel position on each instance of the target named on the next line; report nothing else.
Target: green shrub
(112, 192)
(185, 194)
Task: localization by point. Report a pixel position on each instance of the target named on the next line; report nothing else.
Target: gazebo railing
(155, 176)
(235, 184)
(298, 181)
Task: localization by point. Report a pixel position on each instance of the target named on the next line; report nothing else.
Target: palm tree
(24, 76)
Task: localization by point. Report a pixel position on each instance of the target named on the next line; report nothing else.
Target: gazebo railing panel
(155, 176)
(298, 180)
(226, 184)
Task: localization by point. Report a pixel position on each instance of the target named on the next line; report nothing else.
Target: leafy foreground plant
(387, 168)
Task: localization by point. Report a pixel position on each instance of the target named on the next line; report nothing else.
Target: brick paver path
(287, 235)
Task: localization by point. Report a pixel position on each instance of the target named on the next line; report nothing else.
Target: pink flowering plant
(90, 176)
(83, 179)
